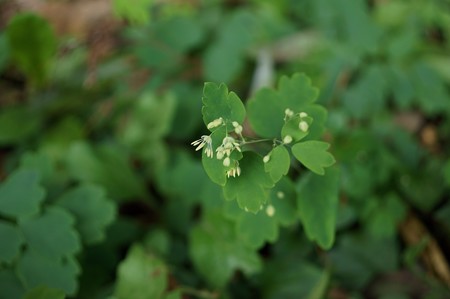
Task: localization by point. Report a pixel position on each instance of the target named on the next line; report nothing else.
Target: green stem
(256, 141)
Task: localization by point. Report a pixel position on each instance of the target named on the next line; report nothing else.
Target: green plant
(102, 194)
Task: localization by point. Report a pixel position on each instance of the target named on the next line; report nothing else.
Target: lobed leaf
(11, 241)
(317, 202)
(218, 102)
(283, 198)
(51, 234)
(217, 252)
(107, 166)
(32, 45)
(278, 164)
(141, 275)
(36, 269)
(92, 210)
(10, 285)
(250, 189)
(266, 110)
(313, 155)
(256, 229)
(17, 201)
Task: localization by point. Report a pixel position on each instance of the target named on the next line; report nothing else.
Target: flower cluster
(229, 144)
(224, 151)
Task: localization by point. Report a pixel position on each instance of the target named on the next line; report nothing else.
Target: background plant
(101, 188)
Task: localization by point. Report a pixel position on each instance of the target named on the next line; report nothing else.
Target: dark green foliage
(339, 114)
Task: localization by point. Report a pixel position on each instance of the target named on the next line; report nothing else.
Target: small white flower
(220, 153)
(235, 124)
(303, 114)
(303, 126)
(280, 194)
(215, 123)
(287, 139)
(270, 211)
(288, 112)
(238, 130)
(228, 145)
(226, 162)
(266, 158)
(200, 143)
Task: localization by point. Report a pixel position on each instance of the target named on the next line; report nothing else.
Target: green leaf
(172, 179)
(92, 210)
(428, 85)
(21, 194)
(57, 139)
(187, 115)
(250, 188)
(253, 229)
(44, 292)
(367, 96)
(13, 129)
(51, 234)
(180, 32)
(107, 166)
(358, 256)
(278, 164)
(218, 102)
(150, 119)
(214, 168)
(256, 229)
(140, 276)
(138, 13)
(36, 270)
(11, 241)
(10, 285)
(313, 155)
(318, 204)
(224, 59)
(217, 252)
(266, 109)
(283, 198)
(280, 279)
(177, 294)
(33, 45)
(383, 220)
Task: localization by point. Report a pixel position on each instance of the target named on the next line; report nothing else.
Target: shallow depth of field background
(100, 100)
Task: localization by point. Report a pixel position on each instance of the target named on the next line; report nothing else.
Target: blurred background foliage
(103, 197)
